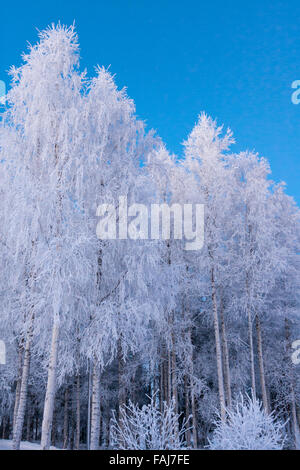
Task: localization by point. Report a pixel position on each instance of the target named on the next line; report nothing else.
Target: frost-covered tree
(248, 427)
(205, 159)
(44, 102)
(114, 144)
(148, 428)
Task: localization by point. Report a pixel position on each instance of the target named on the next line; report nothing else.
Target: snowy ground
(6, 444)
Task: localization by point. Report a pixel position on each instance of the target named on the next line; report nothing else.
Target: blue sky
(235, 60)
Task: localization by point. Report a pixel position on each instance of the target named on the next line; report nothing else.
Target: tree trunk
(3, 427)
(36, 427)
(66, 419)
(88, 440)
(193, 402)
(77, 436)
(51, 389)
(294, 418)
(226, 359)
(169, 378)
(28, 426)
(174, 379)
(261, 365)
(53, 431)
(121, 394)
(95, 418)
(218, 349)
(190, 368)
(296, 434)
(166, 392)
(248, 231)
(18, 387)
(108, 432)
(252, 367)
(187, 411)
(161, 385)
(18, 429)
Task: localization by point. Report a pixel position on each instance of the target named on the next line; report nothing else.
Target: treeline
(99, 328)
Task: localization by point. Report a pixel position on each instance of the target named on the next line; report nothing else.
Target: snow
(6, 444)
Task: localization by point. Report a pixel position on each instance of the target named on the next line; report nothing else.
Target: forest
(137, 343)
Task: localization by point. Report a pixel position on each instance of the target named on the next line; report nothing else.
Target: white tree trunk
(261, 366)
(248, 232)
(121, 391)
(226, 359)
(51, 389)
(218, 349)
(161, 383)
(18, 387)
(190, 369)
(18, 428)
(296, 432)
(95, 418)
(89, 406)
(174, 379)
(291, 378)
(252, 367)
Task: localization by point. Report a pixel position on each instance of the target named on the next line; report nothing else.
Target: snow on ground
(6, 444)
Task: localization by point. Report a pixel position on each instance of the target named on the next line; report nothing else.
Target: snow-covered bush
(248, 427)
(148, 427)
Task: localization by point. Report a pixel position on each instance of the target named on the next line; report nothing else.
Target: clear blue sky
(235, 60)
